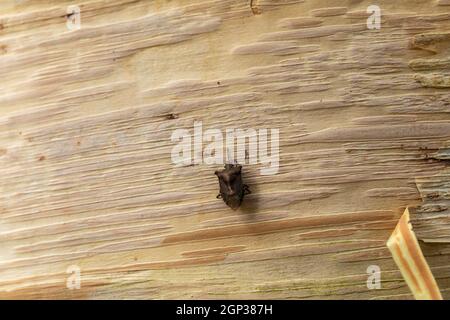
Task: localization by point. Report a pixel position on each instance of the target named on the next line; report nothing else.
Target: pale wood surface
(86, 118)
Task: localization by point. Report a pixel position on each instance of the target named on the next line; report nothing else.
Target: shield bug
(232, 189)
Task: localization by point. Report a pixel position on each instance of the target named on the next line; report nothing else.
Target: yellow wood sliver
(409, 258)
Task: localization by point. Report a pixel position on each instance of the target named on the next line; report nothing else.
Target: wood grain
(85, 151)
(408, 256)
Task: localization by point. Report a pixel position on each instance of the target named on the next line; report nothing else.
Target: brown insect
(232, 189)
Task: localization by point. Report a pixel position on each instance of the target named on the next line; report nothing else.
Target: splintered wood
(90, 96)
(409, 258)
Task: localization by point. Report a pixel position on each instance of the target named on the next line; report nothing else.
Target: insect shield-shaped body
(232, 190)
